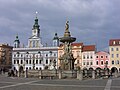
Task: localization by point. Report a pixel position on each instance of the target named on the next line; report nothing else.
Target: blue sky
(91, 21)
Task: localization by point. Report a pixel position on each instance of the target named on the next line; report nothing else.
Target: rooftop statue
(67, 26)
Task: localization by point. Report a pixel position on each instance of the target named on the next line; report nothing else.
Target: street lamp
(54, 63)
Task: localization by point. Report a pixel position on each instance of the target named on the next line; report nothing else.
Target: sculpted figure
(67, 26)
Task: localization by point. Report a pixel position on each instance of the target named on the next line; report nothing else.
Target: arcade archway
(114, 69)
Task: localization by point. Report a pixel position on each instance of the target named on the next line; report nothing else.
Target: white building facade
(35, 55)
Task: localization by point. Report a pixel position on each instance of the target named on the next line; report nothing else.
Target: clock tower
(35, 40)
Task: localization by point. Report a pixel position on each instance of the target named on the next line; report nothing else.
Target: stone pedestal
(116, 74)
(40, 74)
(18, 74)
(60, 74)
(80, 75)
(93, 74)
(26, 73)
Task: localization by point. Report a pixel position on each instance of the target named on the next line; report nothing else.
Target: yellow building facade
(114, 50)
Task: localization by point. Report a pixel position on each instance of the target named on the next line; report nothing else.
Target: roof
(77, 44)
(89, 48)
(103, 52)
(114, 42)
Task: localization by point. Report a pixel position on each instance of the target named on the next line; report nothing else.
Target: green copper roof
(17, 39)
(36, 26)
(55, 37)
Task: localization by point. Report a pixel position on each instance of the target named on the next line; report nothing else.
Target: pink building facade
(102, 60)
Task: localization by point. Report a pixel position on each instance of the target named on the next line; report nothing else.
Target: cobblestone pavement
(15, 83)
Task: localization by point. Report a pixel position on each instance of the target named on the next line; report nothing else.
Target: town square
(54, 45)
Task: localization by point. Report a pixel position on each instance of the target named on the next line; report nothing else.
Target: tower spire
(35, 39)
(36, 25)
(17, 42)
(36, 13)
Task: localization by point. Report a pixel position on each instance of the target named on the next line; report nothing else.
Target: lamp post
(54, 64)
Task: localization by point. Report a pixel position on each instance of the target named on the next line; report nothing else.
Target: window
(91, 63)
(117, 62)
(112, 49)
(96, 62)
(36, 61)
(106, 56)
(40, 68)
(14, 61)
(17, 61)
(117, 55)
(50, 52)
(46, 61)
(113, 42)
(83, 63)
(54, 54)
(18, 55)
(30, 68)
(50, 61)
(46, 55)
(36, 56)
(77, 61)
(87, 57)
(84, 57)
(30, 62)
(40, 62)
(33, 61)
(26, 61)
(91, 57)
(87, 63)
(101, 56)
(107, 62)
(26, 55)
(21, 61)
(117, 49)
(96, 56)
(112, 55)
(101, 62)
(112, 62)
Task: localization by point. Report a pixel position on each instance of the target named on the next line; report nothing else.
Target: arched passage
(114, 69)
(21, 69)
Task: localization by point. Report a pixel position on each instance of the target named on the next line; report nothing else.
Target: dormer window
(113, 42)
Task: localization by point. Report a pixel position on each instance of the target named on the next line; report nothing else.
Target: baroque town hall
(35, 55)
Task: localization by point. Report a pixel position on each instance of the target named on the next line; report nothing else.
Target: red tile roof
(89, 48)
(114, 42)
(77, 44)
